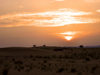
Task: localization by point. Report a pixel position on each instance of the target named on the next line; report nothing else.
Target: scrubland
(50, 61)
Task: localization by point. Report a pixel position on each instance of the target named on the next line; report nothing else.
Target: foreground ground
(50, 61)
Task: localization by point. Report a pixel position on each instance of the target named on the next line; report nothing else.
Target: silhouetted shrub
(5, 72)
(93, 69)
(60, 70)
(34, 45)
(19, 62)
(58, 49)
(44, 46)
(73, 70)
(45, 61)
(31, 56)
(13, 60)
(81, 46)
(87, 59)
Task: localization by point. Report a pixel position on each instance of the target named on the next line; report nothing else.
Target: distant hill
(93, 46)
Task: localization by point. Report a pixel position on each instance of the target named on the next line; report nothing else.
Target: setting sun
(69, 35)
(68, 38)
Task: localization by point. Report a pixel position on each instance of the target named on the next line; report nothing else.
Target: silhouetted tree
(44, 45)
(81, 46)
(34, 45)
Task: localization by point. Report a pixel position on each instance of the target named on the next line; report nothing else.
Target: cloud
(88, 1)
(98, 10)
(60, 0)
(55, 18)
(92, 1)
(69, 33)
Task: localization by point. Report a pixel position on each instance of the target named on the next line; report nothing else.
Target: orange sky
(50, 22)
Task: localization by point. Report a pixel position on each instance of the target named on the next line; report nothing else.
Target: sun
(69, 38)
(69, 35)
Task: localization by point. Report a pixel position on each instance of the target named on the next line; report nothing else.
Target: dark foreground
(50, 61)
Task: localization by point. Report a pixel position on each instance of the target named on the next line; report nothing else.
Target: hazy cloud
(59, 17)
(59, 0)
(98, 10)
(92, 1)
(89, 1)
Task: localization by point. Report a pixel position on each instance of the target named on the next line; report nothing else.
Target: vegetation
(59, 60)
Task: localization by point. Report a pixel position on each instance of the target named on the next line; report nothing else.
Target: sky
(24, 23)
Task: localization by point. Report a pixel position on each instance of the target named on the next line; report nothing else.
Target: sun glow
(69, 35)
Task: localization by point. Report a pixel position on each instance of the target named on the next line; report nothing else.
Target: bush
(81, 46)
